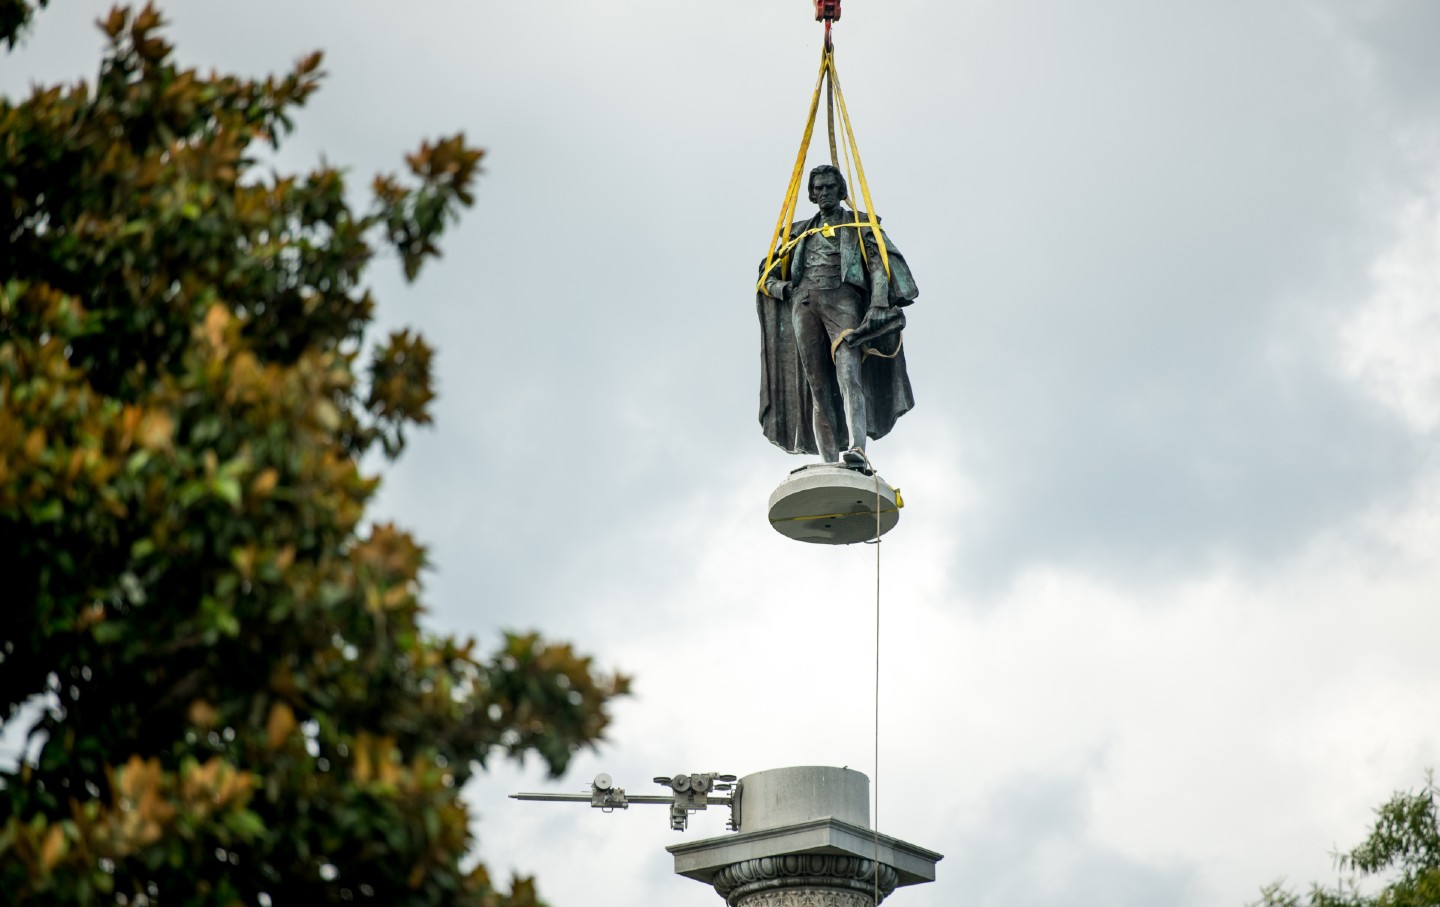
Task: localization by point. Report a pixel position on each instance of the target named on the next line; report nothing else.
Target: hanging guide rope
(777, 263)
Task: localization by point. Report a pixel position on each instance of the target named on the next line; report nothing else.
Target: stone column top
(785, 796)
(701, 860)
(804, 827)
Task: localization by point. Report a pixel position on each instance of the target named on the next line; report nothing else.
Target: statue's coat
(786, 405)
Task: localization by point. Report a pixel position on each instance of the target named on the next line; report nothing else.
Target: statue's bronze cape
(785, 401)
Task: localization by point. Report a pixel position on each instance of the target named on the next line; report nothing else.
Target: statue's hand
(787, 289)
(876, 317)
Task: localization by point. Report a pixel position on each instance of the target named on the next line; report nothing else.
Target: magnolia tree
(1402, 853)
(233, 700)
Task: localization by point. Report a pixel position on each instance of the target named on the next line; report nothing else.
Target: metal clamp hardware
(692, 794)
(688, 793)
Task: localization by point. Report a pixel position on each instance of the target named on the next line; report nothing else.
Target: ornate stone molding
(807, 897)
(803, 880)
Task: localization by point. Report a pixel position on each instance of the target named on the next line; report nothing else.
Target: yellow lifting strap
(849, 134)
(868, 351)
(781, 243)
(792, 191)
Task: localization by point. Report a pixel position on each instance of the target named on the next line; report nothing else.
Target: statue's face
(825, 191)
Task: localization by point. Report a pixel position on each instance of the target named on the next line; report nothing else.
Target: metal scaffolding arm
(689, 793)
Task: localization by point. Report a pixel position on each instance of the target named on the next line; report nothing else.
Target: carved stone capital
(803, 880)
(807, 897)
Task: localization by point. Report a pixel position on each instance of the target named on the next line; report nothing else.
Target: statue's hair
(827, 168)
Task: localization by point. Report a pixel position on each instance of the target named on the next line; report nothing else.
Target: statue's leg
(852, 392)
(813, 346)
(824, 434)
(842, 311)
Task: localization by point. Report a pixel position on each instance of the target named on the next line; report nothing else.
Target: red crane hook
(827, 11)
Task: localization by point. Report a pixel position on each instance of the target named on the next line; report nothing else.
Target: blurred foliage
(1402, 853)
(14, 16)
(235, 701)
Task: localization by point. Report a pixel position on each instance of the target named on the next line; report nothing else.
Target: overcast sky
(1159, 620)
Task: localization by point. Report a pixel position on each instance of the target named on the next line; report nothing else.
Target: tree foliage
(14, 16)
(1402, 852)
(236, 703)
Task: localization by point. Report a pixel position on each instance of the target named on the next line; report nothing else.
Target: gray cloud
(1030, 846)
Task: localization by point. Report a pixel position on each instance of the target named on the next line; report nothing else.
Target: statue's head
(830, 170)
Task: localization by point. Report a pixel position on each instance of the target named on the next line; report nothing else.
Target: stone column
(804, 841)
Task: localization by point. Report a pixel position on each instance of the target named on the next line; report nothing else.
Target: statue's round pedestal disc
(833, 505)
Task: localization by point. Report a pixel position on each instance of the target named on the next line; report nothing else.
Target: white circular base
(833, 505)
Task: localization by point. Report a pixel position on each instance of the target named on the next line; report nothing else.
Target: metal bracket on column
(688, 793)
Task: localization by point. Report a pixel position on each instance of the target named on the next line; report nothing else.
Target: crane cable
(875, 818)
(875, 786)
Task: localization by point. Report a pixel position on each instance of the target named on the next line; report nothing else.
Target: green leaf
(227, 488)
(107, 632)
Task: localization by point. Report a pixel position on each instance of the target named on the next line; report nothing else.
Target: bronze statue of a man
(832, 372)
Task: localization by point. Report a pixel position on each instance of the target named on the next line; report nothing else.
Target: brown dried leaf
(53, 848)
(157, 430)
(203, 715)
(216, 320)
(280, 725)
(115, 22)
(265, 482)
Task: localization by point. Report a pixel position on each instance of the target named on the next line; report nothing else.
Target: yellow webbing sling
(781, 243)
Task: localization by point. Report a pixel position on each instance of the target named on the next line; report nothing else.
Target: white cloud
(1391, 346)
